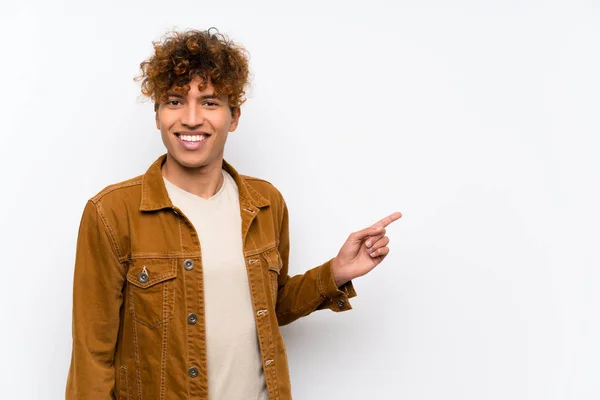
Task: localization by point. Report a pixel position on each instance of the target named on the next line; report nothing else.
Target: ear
(235, 118)
(156, 119)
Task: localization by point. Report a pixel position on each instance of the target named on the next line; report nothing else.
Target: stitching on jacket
(257, 197)
(171, 276)
(283, 207)
(180, 234)
(136, 349)
(162, 277)
(157, 207)
(319, 282)
(269, 346)
(123, 384)
(254, 246)
(256, 251)
(254, 178)
(109, 189)
(109, 232)
(274, 373)
(154, 324)
(164, 341)
(144, 195)
(146, 255)
(203, 356)
(187, 339)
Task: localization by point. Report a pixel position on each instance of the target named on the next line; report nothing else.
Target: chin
(191, 160)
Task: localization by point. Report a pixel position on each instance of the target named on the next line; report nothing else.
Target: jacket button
(193, 372)
(188, 265)
(143, 277)
(341, 303)
(192, 319)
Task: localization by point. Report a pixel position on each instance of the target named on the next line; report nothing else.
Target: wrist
(336, 270)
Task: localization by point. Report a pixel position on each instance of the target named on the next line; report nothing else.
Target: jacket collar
(155, 195)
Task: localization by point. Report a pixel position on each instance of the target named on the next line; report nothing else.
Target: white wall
(477, 120)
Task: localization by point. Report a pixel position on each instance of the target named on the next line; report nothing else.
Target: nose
(192, 116)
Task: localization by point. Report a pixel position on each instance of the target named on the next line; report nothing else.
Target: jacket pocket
(272, 260)
(151, 290)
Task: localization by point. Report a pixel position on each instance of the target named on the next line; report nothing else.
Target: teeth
(195, 138)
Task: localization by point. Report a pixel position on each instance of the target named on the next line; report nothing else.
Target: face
(194, 126)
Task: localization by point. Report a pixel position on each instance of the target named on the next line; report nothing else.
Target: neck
(203, 181)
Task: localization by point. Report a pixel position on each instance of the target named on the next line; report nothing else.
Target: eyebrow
(206, 96)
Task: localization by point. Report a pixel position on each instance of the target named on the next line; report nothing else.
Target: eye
(173, 102)
(211, 104)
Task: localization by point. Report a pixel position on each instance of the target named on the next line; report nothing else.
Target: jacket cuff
(336, 298)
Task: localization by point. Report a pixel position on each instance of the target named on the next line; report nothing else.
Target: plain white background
(478, 120)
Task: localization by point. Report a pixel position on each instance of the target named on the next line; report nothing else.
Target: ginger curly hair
(183, 56)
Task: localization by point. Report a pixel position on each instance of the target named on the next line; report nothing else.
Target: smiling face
(194, 127)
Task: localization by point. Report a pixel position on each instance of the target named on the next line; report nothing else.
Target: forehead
(196, 86)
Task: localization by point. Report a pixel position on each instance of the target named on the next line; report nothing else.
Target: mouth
(192, 140)
(192, 136)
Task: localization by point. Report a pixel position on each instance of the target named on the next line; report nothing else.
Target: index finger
(388, 220)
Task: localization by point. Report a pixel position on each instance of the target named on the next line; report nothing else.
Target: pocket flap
(145, 273)
(273, 259)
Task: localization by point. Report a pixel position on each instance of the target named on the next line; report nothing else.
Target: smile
(192, 142)
(192, 138)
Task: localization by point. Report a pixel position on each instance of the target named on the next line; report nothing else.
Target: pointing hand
(363, 251)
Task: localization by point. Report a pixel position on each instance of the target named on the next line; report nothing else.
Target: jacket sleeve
(302, 294)
(97, 297)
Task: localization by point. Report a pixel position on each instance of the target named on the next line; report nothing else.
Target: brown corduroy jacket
(138, 326)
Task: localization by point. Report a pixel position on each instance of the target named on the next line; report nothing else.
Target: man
(181, 274)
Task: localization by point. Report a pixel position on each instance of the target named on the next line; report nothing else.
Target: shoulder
(117, 193)
(265, 188)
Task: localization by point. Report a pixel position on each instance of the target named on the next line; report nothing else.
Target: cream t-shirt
(234, 363)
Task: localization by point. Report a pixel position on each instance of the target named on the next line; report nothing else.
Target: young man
(181, 274)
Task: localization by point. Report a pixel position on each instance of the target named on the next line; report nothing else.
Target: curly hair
(183, 56)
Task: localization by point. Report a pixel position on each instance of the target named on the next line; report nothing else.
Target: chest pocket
(151, 290)
(272, 260)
